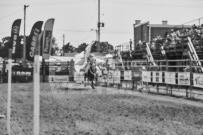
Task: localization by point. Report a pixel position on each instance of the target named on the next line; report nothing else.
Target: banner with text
(198, 80)
(32, 40)
(110, 76)
(128, 75)
(47, 38)
(117, 76)
(146, 76)
(157, 77)
(184, 78)
(15, 30)
(170, 77)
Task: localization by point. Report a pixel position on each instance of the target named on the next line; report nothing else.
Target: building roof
(169, 26)
(137, 25)
(162, 25)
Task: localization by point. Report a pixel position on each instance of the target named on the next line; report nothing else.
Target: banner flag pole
(36, 72)
(15, 30)
(9, 93)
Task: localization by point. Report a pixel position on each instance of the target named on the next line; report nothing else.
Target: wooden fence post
(165, 77)
(191, 81)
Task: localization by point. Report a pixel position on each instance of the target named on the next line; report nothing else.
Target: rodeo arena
(150, 85)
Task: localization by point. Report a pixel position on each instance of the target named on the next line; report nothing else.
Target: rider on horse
(90, 69)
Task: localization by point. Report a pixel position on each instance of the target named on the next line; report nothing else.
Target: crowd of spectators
(177, 36)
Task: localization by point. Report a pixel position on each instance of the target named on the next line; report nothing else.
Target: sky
(77, 19)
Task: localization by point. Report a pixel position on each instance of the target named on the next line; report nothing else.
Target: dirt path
(101, 112)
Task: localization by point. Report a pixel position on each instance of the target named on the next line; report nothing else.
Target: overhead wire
(72, 30)
(117, 32)
(15, 12)
(83, 39)
(152, 3)
(84, 31)
(193, 20)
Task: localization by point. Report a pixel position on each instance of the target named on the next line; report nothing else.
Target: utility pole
(24, 43)
(98, 26)
(63, 43)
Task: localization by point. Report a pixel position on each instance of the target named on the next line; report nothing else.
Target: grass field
(103, 111)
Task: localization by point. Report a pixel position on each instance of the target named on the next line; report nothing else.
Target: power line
(151, 4)
(71, 30)
(2, 17)
(117, 32)
(86, 31)
(193, 20)
(83, 39)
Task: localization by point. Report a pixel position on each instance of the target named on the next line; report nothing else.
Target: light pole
(98, 26)
(24, 43)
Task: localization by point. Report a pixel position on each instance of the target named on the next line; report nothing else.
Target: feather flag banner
(47, 38)
(15, 30)
(32, 40)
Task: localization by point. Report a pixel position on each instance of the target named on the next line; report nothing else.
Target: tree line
(5, 43)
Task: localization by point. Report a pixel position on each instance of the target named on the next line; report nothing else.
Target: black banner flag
(15, 30)
(47, 38)
(31, 43)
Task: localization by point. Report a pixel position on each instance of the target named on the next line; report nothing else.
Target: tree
(6, 44)
(68, 48)
(105, 47)
(6, 41)
(81, 47)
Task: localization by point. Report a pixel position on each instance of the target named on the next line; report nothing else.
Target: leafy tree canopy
(68, 48)
(105, 47)
(81, 47)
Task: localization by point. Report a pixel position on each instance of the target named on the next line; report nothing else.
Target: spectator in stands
(201, 34)
(173, 34)
(177, 32)
(131, 45)
(194, 26)
(166, 43)
(176, 36)
(153, 46)
(140, 42)
(166, 34)
(201, 38)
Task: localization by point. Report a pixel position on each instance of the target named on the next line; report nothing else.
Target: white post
(9, 93)
(36, 72)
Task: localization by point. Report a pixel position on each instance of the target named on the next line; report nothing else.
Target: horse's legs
(92, 84)
(85, 79)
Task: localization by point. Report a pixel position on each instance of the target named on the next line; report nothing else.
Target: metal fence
(169, 77)
(24, 74)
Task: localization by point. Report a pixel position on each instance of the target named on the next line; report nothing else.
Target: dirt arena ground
(104, 111)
